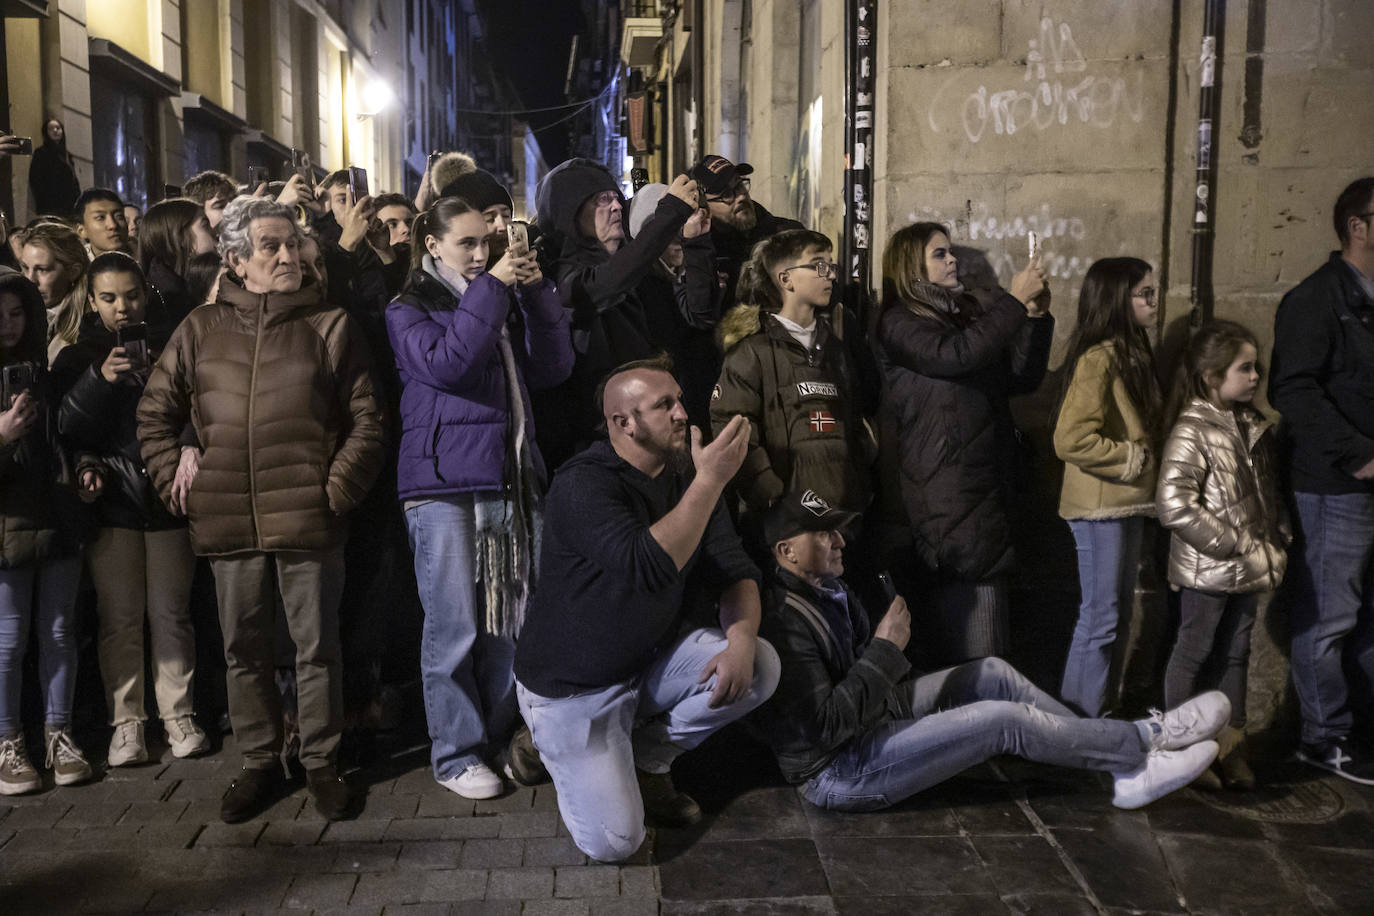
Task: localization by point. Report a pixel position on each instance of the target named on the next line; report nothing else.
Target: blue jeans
(466, 673)
(1333, 627)
(54, 614)
(1108, 561)
(958, 718)
(592, 742)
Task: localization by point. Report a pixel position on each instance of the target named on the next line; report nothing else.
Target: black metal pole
(860, 72)
(1204, 204)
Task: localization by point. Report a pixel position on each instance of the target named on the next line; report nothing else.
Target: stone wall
(1078, 120)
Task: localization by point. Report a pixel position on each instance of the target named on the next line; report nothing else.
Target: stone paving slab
(1007, 838)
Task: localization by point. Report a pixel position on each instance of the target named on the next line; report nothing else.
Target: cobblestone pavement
(1007, 838)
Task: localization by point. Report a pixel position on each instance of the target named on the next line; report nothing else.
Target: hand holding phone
(519, 234)
(357, 182)
(15, 379)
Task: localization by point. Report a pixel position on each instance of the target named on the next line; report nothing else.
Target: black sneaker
(333, 798)
(1342, 757)
(664, 805)
(251, 793)
(522, 763)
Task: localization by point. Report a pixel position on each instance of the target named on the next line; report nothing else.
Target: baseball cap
(716, 174)
(805, 511)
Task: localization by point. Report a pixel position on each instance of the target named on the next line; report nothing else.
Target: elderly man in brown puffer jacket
(277, 388)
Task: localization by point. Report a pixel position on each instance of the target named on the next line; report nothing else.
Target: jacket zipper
(252, 401)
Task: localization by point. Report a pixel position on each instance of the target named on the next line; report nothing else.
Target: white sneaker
(185, 737)
(477, 781)
(127, 745)
(1186, 724)
(1163, 772)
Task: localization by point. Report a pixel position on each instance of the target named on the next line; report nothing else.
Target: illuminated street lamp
(376, 95)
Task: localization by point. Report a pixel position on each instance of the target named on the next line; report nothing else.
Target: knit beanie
(457, 175)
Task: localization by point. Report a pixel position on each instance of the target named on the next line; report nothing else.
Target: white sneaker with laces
(185, 737)
(69, 766)
(1186, 724)
(17, 774)
(477, 781)
(1162, 773)
(127, 745)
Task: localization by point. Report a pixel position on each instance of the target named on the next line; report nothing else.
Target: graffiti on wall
(1057, 88)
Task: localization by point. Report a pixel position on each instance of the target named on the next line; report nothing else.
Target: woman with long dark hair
(1107, 433)
(52, 174)
(952, 365)
(172, 233)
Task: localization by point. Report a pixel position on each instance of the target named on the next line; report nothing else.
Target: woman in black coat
(951, 365)
(52, 174)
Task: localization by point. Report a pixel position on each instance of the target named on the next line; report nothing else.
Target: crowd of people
(626, 445)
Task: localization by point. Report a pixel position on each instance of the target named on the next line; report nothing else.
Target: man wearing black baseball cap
(737, 220)
(856, 731)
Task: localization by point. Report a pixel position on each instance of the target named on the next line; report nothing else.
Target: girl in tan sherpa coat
(1106, 432)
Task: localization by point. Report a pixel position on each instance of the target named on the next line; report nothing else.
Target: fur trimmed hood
(740, 322)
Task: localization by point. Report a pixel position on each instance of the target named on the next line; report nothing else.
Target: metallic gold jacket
(1218, 494)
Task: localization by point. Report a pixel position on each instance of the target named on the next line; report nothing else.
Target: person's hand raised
(699, 223)
(685, 190)
(1028, 284)
(16, 422)
(719, 461)
(356, 219)
(895, 626)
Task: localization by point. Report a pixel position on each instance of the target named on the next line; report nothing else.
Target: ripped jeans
(592, 742)
(958, 718)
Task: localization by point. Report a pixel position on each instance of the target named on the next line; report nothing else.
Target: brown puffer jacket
(278, 389)
(1218, 494)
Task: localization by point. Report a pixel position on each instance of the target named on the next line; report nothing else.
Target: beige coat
(1109, 471)
(1218, 493)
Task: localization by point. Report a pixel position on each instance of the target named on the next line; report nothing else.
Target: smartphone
(357, 181)
(639, 177)
(257, 174)
(300, 164)
(1032, 244)
(518, 231)
(15, 379)
(434, 155)
(134, 339)
(889, 590)
(25, 147)
(171, 190)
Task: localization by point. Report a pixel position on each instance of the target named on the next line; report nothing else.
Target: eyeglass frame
(832, 269)
(1149, 294)
(741, 189)
(606, 198)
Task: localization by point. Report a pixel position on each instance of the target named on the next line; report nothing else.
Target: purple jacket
(453, 388)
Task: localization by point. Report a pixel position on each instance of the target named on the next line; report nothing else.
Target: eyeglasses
(1149, 294)
(606, 198)
(738, 190)
(824, 269)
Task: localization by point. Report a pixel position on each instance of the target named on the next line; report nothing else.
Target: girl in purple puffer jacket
(470, 344)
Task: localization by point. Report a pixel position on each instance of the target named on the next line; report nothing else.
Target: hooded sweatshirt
(52, 179)
(612, 599)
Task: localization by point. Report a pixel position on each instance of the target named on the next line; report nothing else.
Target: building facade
(153, 91)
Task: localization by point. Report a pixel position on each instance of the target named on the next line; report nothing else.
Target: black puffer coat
(950, 367)
(40, 515)
(99, 417)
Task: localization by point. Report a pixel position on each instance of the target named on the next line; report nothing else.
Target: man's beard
(743, 221)
(677, 460)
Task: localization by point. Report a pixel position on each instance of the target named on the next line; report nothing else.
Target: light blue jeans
(958, 718)
(592, 742)
(466, 674)
(54, 615)
(1108, 561)
(1333, 622)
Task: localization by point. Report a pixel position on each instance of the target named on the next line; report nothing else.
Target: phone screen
(357, 180)
(134, 339)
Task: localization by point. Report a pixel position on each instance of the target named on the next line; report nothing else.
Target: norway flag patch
(822, 421)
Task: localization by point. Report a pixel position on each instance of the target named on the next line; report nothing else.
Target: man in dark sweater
(612, 678)
(852, 727)
(1321, 383)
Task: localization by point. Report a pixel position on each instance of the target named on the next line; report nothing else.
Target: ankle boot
(1234, 760)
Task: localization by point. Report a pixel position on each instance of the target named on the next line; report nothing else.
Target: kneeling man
(612, 678)
(856, 731)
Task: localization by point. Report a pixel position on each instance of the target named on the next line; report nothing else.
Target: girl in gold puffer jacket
(1218, 494)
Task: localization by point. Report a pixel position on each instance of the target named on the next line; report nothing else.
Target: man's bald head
(641, 404)
(625, 391)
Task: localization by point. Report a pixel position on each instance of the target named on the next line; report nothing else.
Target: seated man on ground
(852, 727)
(612, 676)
